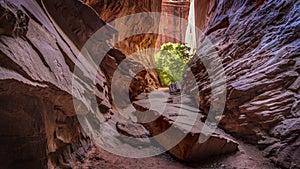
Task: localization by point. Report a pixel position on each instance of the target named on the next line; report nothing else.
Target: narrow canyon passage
(248, 156)
(81, 87)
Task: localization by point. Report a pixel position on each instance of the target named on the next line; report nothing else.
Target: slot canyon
(79, 86)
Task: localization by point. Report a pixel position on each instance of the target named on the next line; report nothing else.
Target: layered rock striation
(127, 41)
(40, 43)
(39, 127)
(137, 30)
(257, 43)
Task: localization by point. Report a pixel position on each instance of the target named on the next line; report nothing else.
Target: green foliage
(171, 61)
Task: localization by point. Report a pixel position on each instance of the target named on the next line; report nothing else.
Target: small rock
(175, 87)
(133, 133)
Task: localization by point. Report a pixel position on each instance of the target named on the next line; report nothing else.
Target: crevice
(224, 23)
(7, 63)
(57, 32)
(32, 16)
(39, 54)
(69, 62)
(71, 65)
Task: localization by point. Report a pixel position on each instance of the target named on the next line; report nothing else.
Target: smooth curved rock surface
(39, 127)
(139, 47)
(39, 49)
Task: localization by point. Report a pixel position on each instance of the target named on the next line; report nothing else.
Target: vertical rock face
(203, 12)
(110, 10)
(174, 27)
(39, 126)
(258, 43)
(133, 45)
(39, 50)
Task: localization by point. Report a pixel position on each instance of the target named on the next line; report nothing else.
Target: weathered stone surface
(257, 41)
(133, 133)
(258, 44)
(133, 45)
(137, 83)
(185, 120)
(203, 13)
(132, 129)
(39, 125)
(109, 10)
(144, 81)
(175, 29)
(13, 23)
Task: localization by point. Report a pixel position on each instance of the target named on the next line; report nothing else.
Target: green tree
(171, 62)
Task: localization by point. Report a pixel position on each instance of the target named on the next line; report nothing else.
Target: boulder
(175, 87)
(178, 128)
(133, 133)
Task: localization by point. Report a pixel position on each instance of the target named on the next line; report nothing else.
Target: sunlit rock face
(139, 47)
(258, 44)
(175, 29)
(112, 10)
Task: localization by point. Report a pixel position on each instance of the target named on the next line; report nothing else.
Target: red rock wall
(39, 127)
(133, 46)
(203, 11)
(39, 48)
(176, 30)
(109, 10)
(258, 44)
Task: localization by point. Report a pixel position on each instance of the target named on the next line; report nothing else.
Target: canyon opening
(162, 84)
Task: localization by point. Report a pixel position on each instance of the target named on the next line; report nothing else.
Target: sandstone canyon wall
(39, 125)
(139, 47)
(258, 43)
(203, 13)
(173, 27)
(111, 10)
